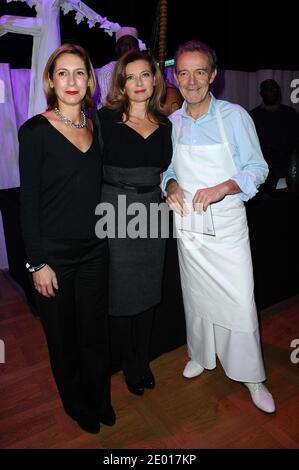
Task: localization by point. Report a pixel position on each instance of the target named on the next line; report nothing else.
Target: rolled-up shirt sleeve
(253, 169)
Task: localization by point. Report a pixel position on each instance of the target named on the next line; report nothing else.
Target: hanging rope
(158, 49)
(163, 33)
(154, 38)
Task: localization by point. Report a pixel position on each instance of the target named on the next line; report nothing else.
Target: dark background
(246, 35)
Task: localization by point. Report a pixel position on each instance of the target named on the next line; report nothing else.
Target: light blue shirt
(252, 169)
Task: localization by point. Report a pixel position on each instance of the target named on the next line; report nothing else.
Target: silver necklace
(68, 121)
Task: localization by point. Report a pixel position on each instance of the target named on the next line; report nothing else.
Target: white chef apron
(216, 272)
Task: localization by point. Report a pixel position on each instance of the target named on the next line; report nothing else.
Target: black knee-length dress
(136, 264)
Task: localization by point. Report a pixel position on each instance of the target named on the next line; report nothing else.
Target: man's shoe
(261, 397)
(108, 418)
(149, 381)
(192, 369)
(137, 388)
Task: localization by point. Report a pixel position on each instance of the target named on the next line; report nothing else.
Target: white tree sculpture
(45, 29)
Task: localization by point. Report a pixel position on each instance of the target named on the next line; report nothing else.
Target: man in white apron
(217, 164)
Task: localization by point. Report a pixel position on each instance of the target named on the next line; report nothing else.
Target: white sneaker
(261, 397)
(192, 369)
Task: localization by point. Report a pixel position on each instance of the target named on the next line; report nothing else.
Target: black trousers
(134, 334)
(75, 322)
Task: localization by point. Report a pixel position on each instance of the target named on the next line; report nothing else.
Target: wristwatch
(33, 269)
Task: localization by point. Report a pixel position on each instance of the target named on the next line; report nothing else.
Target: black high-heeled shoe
(149, 381)
(89, 425)
(136, 388)
(88, 422)
(108, 418)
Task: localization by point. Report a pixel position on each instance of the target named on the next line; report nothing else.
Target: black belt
(131, 187)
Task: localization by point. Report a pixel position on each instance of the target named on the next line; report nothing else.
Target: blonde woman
(60, 167)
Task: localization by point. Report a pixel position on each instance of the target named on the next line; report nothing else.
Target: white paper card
(194, 222)
(281, 184)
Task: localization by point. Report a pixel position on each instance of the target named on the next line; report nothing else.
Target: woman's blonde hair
(49, 70)
(117, 98)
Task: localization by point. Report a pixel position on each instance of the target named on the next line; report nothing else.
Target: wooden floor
(209, 411)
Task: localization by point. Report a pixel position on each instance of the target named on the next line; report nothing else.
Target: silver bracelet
(33, 269)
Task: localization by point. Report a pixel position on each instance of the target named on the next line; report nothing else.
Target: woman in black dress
(60, 168)
(137, 149)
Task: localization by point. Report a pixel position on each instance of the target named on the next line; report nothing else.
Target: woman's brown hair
(117, 98)
(49, 70)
